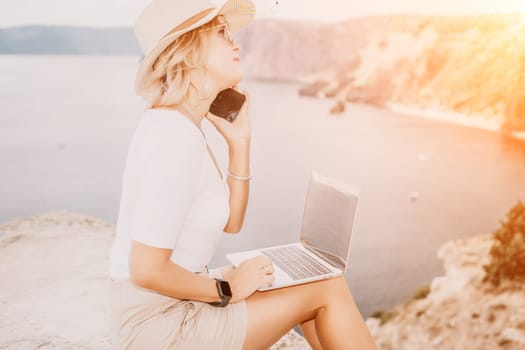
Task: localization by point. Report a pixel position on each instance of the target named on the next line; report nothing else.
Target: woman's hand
(226, 271)
(239, 130)
(249, 276)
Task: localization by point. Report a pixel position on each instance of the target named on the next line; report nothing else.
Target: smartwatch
(225, 292)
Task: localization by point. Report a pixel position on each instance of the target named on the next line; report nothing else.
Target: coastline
(473, 121)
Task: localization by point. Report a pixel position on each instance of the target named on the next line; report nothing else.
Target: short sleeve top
(172, 195)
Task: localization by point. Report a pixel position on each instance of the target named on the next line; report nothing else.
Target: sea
(66, 122)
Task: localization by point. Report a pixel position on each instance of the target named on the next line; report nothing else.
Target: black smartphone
(227, 104)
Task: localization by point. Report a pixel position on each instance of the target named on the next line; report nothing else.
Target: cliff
(470, 65)
(459, 310)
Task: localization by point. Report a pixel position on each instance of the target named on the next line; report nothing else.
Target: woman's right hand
(246, 278)
(238, 131)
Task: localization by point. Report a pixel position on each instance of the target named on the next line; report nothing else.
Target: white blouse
(172, 195)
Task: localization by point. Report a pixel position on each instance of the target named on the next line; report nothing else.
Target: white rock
(55, 291)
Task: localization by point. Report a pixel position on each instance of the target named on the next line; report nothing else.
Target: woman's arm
(239, 164)
(151, 268)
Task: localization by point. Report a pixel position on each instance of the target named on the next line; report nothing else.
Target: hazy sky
(123, 12)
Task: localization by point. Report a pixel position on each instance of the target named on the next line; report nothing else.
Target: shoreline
(473, 121)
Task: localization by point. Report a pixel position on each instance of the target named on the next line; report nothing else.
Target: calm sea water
(66, 122)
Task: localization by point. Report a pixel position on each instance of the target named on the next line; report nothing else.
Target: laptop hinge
(331, 259)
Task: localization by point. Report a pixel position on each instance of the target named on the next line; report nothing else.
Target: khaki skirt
(143, 319)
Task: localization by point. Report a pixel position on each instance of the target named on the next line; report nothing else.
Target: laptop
(324, 244)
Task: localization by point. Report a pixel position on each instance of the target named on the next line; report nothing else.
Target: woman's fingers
(268, 269)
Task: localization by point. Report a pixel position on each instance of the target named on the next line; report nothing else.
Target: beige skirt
(143, 319)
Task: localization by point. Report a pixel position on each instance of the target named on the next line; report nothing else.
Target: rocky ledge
(55, 295)
(55, 286)
(457, 310)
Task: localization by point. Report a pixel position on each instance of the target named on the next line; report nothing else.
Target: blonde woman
(176, 203)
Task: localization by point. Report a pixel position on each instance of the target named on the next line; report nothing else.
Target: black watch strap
(223, 288)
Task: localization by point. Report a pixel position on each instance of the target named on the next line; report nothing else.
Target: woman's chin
(239, 76)
(235, 80)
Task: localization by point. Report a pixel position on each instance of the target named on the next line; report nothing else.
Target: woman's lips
(236, 59)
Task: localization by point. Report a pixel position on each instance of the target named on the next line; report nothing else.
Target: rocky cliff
(458, 311)
(464, 64)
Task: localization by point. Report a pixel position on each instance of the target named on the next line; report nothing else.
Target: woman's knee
(282, 309)
(318, 294)
(302, 301)
(273, 313)
(332, 288)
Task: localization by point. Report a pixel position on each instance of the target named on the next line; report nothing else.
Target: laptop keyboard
(295, 262)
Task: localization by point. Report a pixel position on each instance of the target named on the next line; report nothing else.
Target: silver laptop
(324, 247)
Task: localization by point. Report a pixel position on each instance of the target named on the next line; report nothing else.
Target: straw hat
(162, 21)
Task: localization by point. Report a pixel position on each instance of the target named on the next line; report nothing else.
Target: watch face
(225, 288)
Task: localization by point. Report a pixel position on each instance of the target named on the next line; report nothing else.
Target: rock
(467, 65)
(293, 50)
(313, 90)
(55, 286)
(514, 335)
(338, 108)
(460, 311)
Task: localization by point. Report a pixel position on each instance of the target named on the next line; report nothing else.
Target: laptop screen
(328, 218)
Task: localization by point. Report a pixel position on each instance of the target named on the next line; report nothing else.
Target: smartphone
(227, 104)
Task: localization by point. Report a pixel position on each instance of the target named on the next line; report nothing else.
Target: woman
(176, 204)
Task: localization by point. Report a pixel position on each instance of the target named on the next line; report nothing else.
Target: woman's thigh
(271, 314)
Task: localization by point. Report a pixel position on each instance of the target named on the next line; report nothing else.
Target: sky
(104, 13)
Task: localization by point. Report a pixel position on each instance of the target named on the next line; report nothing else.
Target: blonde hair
(169, 82)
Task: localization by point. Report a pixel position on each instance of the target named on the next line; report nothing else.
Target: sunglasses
(224, 32)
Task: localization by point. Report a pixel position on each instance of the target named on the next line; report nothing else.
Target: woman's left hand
(239, 130)
(226, 271)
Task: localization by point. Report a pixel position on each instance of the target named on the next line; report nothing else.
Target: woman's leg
(310, 333)
(338, 323)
